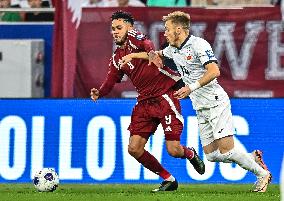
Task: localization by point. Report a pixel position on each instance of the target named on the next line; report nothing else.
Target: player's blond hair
(178, 18)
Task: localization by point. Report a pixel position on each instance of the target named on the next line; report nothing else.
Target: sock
(244, 160)
(152, 164)
(214, 156)
(171, 178)
(251, 156)
(188, 153)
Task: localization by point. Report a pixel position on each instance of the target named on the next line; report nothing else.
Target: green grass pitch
(137, 192)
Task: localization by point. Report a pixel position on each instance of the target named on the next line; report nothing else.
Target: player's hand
(94, 94)
(155, 59)
(182, 92)
(124, 60)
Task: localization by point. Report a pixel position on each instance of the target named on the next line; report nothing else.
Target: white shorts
(215, 123)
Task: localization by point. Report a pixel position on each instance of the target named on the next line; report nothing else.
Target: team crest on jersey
(189, 57)
(210, 54)
(140, 36)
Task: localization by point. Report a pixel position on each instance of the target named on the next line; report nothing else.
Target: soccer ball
(46, 180)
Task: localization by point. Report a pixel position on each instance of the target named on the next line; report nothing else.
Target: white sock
(251, 156)
(245, 161)
(170, 178)
(213, 156)
(216, 156)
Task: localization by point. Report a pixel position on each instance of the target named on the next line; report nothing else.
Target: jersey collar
(184, 42)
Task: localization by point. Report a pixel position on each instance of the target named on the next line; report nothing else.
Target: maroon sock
(151, 163)
(188, 153)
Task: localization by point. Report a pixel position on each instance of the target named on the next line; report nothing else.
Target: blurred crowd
(37, 16)
(180, 3)
(49, 16)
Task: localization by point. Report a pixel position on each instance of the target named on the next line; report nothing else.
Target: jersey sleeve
(167, 52)
(114, 75)
(204, 52)
(139, 41)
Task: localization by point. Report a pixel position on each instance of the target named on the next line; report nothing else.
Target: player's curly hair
(178, 18)
(127, 17)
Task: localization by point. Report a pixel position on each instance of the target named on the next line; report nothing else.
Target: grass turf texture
(136, 192)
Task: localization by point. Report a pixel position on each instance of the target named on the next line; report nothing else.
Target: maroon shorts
(148, 114)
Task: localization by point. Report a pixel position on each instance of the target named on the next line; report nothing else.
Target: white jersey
(190, 60)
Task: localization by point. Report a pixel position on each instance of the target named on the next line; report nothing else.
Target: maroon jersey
(148, 80)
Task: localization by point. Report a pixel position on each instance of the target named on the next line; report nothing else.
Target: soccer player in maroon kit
(156, 103)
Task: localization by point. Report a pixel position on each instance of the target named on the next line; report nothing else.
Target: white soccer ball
(46, 180)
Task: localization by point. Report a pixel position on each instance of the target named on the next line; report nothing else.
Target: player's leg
(141, 126)
(136, 149)
(172, 122)
(245, 161)
(213, 154)
(224, 126)
(210, 147)
(227, 152)
(177, 150)
(257, 156)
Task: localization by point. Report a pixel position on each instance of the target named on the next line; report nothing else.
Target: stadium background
(85, 141)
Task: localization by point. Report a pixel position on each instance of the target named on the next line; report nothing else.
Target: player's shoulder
(195, 40)
(168, 51)
(198, 43)
(115, 56)
(135, 38)
(114, 59)
(116, 51)
(136, 35)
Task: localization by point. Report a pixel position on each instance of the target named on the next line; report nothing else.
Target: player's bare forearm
(182, 92)
(127, 58)
(211, 73)
(155, 58)
(140, 55)
(160, 53)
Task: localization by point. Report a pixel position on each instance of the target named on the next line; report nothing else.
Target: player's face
(171, 33)
(119, 31)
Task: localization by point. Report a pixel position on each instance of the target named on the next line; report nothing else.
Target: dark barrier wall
(87, 142)
(33, 31)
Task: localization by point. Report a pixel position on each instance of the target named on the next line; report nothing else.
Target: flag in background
(66, 22)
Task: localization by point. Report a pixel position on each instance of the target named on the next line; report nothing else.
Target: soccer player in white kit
(195, 61)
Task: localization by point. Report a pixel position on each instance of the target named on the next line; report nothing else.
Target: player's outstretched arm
(155, 58)
(127, 58)
(94, 94)
(182, 92)
(211, 73)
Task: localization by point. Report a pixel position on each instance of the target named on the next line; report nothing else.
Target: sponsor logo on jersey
(140, 36)
(168, 129)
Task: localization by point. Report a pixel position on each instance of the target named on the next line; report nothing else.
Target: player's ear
(178, 29)
(129, 27)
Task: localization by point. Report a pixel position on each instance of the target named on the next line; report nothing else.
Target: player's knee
(134, 151)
